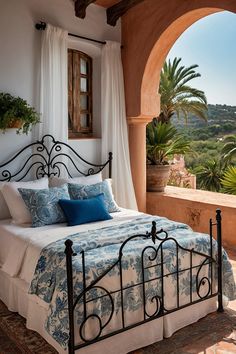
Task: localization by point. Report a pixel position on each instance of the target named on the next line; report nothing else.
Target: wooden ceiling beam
(116, 11)
(81, 6)
(113, 12)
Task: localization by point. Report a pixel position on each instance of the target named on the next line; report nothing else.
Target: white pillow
(109, 180)
(16, 205)
(86, 180)
(4, 210)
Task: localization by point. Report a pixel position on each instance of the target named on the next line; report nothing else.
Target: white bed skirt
(14, 293)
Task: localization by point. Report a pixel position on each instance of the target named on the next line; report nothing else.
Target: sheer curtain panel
(114, 125)
(54, 86)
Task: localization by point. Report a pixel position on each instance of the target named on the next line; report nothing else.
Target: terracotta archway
(149, 30)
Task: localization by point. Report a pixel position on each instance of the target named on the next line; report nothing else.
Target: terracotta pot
(157, 177)
(16, 124)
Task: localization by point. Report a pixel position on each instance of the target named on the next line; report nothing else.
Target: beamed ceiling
(106, 3)
(115, 8)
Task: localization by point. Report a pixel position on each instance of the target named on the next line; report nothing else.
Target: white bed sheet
(21, 245)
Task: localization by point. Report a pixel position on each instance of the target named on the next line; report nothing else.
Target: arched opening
(151, 76)
(147, 42)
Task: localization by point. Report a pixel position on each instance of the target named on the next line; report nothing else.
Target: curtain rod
(41, 26)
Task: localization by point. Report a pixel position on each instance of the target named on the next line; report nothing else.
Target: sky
(211, 43)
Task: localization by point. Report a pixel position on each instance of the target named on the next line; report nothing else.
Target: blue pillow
(81, 191)
(43, 204)
(79, 212)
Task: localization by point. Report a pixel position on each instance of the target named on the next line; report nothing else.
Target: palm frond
(176, 95)
(229, 180)
(163, 142)
(209, 175)
(229, 148)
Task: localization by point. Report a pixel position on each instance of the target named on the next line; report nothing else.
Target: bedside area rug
(15, 338)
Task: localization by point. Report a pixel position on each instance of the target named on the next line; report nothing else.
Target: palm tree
(229, 180)
(229, 148)
(178, 97)
(209, 175)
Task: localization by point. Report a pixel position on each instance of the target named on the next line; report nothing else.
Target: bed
(114, 285)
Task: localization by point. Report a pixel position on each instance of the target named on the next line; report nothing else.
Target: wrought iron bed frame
(46, 159)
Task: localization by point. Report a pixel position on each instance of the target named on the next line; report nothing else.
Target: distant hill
(221, 121)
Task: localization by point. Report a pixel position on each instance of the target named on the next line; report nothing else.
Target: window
(79, 94)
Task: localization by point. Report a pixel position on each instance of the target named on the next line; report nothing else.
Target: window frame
(75, 128)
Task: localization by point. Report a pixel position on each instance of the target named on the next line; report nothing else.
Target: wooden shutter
(79, 93)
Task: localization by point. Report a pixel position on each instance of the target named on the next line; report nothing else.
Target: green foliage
(214, 150)
(178, 97)
(163, 142)
(209, 175)
(229, 180)
(15, 108)
(214, 140)
(204, 151)
(229, 148)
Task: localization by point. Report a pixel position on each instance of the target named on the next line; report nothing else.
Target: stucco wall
(20, 58)
(149, 30)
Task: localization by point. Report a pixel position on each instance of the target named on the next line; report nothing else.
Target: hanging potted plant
(16, 113)
(163, 142)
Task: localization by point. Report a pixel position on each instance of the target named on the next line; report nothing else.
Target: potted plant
(163, 142)
(16, 113)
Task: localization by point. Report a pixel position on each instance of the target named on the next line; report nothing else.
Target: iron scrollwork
(46, 158)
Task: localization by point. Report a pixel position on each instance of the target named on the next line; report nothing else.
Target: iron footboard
(157, 259)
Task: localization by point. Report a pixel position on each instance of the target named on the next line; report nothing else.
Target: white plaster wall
(20, 54)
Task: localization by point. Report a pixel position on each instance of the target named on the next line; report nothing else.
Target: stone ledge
(195, 208)
(201, 196)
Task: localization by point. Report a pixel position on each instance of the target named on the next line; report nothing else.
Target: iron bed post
(219, 241)
(211, 253)
(69, 253)
(110, 164)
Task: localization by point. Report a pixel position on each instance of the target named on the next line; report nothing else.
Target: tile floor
(228, 343)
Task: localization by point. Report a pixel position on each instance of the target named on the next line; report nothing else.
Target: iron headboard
(46, 158)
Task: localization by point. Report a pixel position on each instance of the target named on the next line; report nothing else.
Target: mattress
(21, 245)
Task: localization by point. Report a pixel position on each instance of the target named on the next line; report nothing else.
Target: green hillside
(221, 121)
(207, 137)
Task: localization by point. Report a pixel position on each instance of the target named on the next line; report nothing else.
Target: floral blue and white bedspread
(101, 251)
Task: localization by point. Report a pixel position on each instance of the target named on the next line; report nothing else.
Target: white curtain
(114, 125)
(53, 86)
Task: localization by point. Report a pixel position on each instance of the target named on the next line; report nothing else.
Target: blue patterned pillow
(81, 191)
(43, 204)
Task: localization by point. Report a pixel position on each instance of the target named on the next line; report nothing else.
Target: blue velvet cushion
(79, 212)
(81, 191)
(43, 204)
